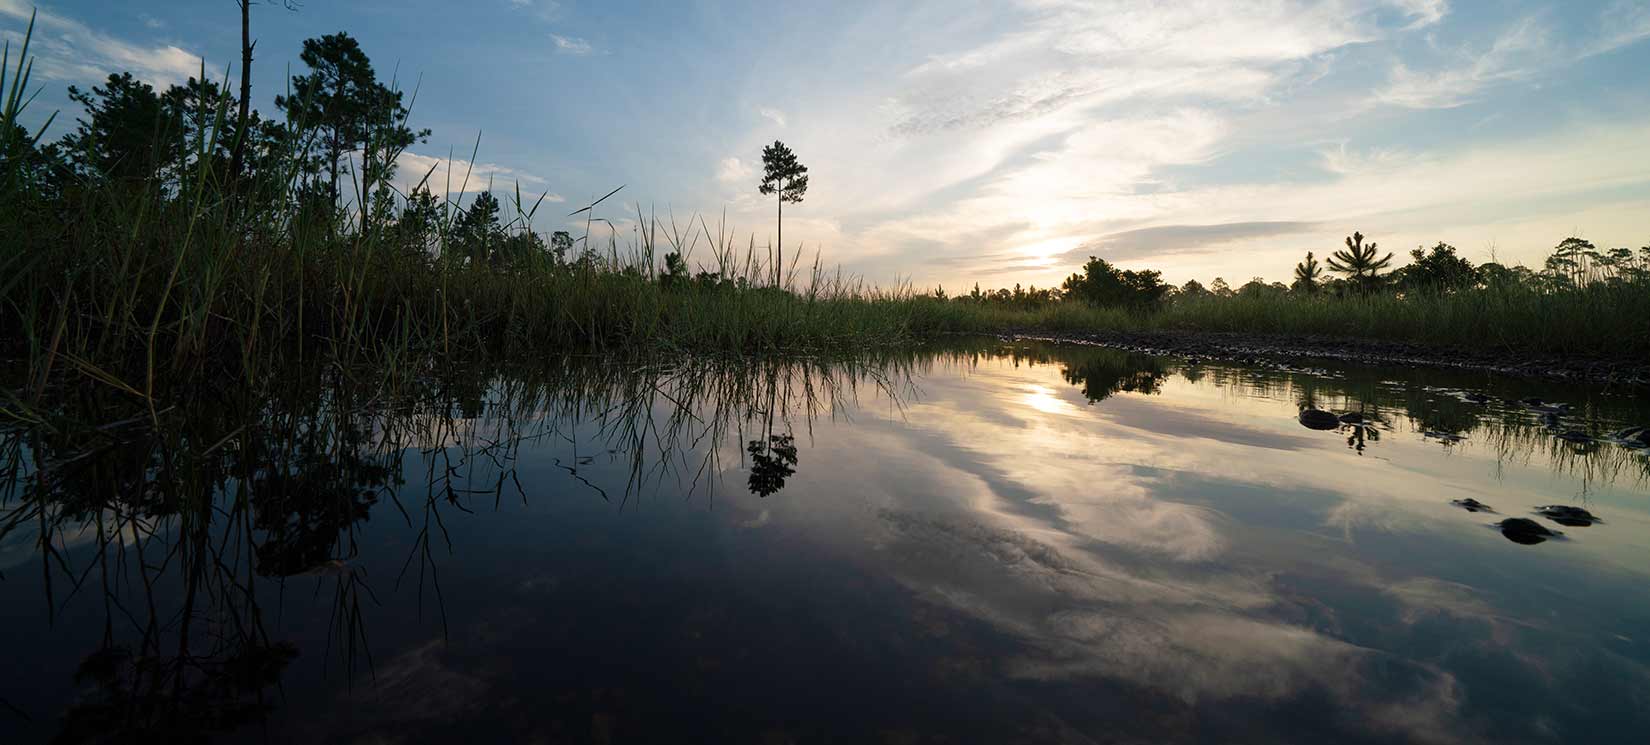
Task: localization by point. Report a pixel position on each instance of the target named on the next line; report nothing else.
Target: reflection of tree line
(1433, 409)
(1100, 372)
(1511, 431)
(195, 523)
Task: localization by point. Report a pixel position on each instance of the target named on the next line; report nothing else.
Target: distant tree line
(327, 163)
(1358, 269)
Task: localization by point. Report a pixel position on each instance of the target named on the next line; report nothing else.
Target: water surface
(982, 542)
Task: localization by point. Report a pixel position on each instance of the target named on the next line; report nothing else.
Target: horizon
(999, 147)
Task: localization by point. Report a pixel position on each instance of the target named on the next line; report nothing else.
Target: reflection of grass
(194, 520)
(253, 486)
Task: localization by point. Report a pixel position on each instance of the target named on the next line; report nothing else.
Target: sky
(950, 143)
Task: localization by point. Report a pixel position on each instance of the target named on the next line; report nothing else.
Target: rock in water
(1471, 505)
(1633, 437)
(1564, 514)
(1351, 417)
(1319, 419)
(1574, 435)
(1525, 531)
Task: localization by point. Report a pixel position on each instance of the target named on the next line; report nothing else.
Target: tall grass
(207, 275)
(210, 275)
(1606, 321)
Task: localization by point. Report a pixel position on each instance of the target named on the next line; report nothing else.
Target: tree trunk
(779, 258)
(239, 155)
(366, 183)
(335, 150)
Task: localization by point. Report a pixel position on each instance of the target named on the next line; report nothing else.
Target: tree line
(327, 163)
(1358, 269)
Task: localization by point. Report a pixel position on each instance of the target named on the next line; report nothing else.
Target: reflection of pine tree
(309, 495)
(771, 463)
(150, 698)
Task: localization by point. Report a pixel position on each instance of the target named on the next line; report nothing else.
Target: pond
(980, 541)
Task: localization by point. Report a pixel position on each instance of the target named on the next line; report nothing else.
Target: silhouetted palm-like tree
(771, 463)
(1357, 261)
(1307, 274)
(784, 175)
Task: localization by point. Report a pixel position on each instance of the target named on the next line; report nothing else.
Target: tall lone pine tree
(783, 175)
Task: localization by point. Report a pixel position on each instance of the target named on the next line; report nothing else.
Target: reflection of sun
(1042, 398)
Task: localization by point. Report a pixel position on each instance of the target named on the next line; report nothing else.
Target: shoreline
(1253, 347)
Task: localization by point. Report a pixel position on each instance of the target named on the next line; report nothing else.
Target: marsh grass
(1607, 321)
(152, 288)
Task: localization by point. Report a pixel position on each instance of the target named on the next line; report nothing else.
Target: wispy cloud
(571, 45)
(771, 114)
(1624, 23)
(1422, 13)
(547, 11)
(1516, 54)
(1182, 239)
(72, 51)
(1078, 54)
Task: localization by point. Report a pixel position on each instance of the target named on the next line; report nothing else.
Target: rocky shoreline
(1247, 347)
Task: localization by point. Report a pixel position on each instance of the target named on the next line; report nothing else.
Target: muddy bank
(1269, 347)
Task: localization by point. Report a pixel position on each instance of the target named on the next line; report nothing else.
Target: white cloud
(571, 45)
(69, 50)
(150, 21)
(733, 170)
(1068, 122)
(771, 114)
(457, 176)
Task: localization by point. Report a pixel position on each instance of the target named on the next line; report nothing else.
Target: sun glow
(1043, 398)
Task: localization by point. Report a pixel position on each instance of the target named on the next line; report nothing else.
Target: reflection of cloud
(1197, 655)
(1070, 546)
(1190, 636)
(416, 687)
(1422, 595)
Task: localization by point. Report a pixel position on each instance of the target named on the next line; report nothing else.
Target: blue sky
(994, 142)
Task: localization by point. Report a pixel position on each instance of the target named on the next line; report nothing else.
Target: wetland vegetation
(291, 452)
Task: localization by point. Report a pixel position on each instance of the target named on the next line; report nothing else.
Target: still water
(986, 541)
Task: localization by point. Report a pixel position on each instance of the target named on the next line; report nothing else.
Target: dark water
(984, 543)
